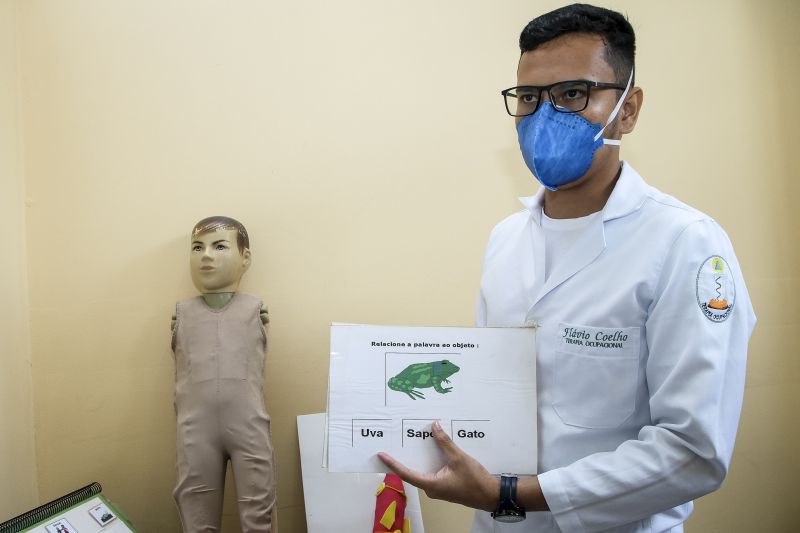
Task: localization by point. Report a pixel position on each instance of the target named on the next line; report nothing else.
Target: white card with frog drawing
(387, 384)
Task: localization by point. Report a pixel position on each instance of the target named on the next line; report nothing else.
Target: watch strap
(508, 510)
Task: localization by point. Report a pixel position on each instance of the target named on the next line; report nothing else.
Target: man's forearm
(530, 496)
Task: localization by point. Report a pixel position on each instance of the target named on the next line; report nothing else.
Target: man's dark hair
(615, 30)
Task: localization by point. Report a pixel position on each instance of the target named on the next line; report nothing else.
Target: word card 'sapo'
(388, 384)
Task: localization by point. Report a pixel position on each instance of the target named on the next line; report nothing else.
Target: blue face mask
(559, 147)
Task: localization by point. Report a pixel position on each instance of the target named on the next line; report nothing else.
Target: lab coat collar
(628, 196)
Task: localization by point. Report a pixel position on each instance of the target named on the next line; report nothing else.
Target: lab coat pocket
(596, 374)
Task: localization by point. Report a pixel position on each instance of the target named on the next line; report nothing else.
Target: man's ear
(629, 113)
(246, 258)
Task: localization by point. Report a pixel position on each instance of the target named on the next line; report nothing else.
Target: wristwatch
(508, 511)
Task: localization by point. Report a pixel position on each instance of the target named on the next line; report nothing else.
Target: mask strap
(613, 114)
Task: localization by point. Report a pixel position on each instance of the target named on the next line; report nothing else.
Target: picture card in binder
(387, 385)
(61, 526)
(102, 514)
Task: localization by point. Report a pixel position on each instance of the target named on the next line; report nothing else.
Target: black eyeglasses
(566, 96)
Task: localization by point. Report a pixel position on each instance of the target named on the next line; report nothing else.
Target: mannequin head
(220, 254)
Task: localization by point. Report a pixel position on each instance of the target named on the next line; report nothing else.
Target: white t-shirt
(560, 234)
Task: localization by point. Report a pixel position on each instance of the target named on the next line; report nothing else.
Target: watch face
(509, 517)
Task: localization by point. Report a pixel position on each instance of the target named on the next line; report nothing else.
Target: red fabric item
(391, 490)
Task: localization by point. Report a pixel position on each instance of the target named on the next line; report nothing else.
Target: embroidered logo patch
(715, 289)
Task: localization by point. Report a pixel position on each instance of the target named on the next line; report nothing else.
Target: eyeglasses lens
(522, 101)
(570, 96)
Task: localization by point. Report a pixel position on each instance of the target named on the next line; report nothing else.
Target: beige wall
(17, 458)
(365, 147)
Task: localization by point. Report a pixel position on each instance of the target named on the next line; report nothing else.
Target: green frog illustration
(423, 375)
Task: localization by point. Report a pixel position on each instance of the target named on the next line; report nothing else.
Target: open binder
(82, 511)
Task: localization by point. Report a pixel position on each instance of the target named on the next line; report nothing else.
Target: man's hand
(461, 480)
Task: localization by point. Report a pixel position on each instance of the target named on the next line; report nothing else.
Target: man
(641, 311)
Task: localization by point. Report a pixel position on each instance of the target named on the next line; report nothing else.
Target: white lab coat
(639, 382)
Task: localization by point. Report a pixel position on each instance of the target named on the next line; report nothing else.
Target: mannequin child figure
(219, 343)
